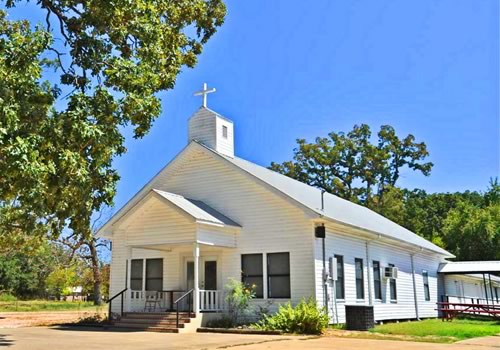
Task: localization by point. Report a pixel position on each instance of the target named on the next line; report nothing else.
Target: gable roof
(200, 211)
(335, 208)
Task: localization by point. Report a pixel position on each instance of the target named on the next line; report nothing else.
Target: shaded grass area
(45, 305)
(438, 331)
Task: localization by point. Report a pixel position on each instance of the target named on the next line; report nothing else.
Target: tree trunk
(96, 271)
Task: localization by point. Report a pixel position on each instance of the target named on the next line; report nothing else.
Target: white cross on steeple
(204, 93)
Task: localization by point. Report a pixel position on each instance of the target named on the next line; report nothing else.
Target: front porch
(175, 278)
(168, 255)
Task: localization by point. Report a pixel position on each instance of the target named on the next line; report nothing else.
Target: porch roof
(200, 211)
(470, 267)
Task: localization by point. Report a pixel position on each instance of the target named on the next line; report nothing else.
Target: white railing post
(196, 294)
(127, 282)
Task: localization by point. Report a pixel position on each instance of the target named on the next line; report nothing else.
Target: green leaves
(114, 57)
(352, 167)
(305, 318)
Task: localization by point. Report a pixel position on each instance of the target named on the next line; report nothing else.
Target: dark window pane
(136, 274)
(393, 287)
(279, 264)
(360, 288)
(154, 268)
(278, 272)
(210, 275)
(256, 283)
(279, 287)
(360, 293)
(376, 280)
(427, 293)
(190, 275)
(252, 273)
(252, 264)
(154, 274)
(339, 289)
(136, 268)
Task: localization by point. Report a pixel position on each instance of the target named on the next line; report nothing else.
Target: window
(251, 273)
(427, 293)
(136, 274)
(278, 275)
(393, 288)
(224, 131)
(376, 280)
(339, 288)
(154, 274)
(360, 287)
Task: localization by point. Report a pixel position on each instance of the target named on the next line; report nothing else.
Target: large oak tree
(112, 58)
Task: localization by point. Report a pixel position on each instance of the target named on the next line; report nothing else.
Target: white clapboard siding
(470, 286)
(225, 145)
(216, 236)
(269, 223)
(202, 127)
(158, 223)
(353, 247)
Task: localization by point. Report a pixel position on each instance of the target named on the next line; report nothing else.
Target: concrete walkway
(44, 338)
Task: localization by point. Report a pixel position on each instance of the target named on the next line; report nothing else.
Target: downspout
(370, 297)
(325, 291)
(485, 289)
(491, 288)
(414, 287)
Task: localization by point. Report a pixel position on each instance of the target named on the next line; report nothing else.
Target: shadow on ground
(83, 328)
(4, 342)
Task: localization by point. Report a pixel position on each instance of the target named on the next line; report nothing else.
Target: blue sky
(295, 69)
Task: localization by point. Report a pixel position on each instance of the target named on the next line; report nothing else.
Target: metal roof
(335, 208)
(470, 267)
(197, 209)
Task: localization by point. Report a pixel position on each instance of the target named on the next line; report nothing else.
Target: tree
(24, 272)
(113, 60)
(86, 248)
(352, 167)
(473, 233)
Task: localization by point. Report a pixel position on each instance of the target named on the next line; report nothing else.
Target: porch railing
(469, 300)
(154, 301)
(212, 300)
(188, 295)
(110, 304)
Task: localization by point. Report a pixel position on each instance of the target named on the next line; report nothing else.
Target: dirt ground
(30, 319)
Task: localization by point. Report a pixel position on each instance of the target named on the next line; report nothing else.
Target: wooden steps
(152, 322)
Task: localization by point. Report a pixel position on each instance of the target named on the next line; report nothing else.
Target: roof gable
(305, 196)
(198, 210)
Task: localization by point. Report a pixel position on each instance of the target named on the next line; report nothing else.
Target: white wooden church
(209, 216)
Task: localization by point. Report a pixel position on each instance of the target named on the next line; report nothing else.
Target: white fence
(212, 300)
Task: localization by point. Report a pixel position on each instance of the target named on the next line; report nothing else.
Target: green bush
(238, 297)
(304, 318)
(222, 322)
(7, 297)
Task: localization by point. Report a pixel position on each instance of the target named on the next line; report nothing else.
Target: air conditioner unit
(391, 272)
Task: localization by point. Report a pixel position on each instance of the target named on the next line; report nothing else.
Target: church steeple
(210, 128)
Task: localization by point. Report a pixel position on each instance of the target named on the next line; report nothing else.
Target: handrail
(187, 294)
(183, 296)
(116, 295)
(110, 301)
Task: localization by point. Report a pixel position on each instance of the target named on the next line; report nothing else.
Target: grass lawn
(45, 305)
(458, 329)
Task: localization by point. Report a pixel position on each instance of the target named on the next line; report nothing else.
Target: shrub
(238, 300)
(304, 318)
(7, 297)
(222, 322)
